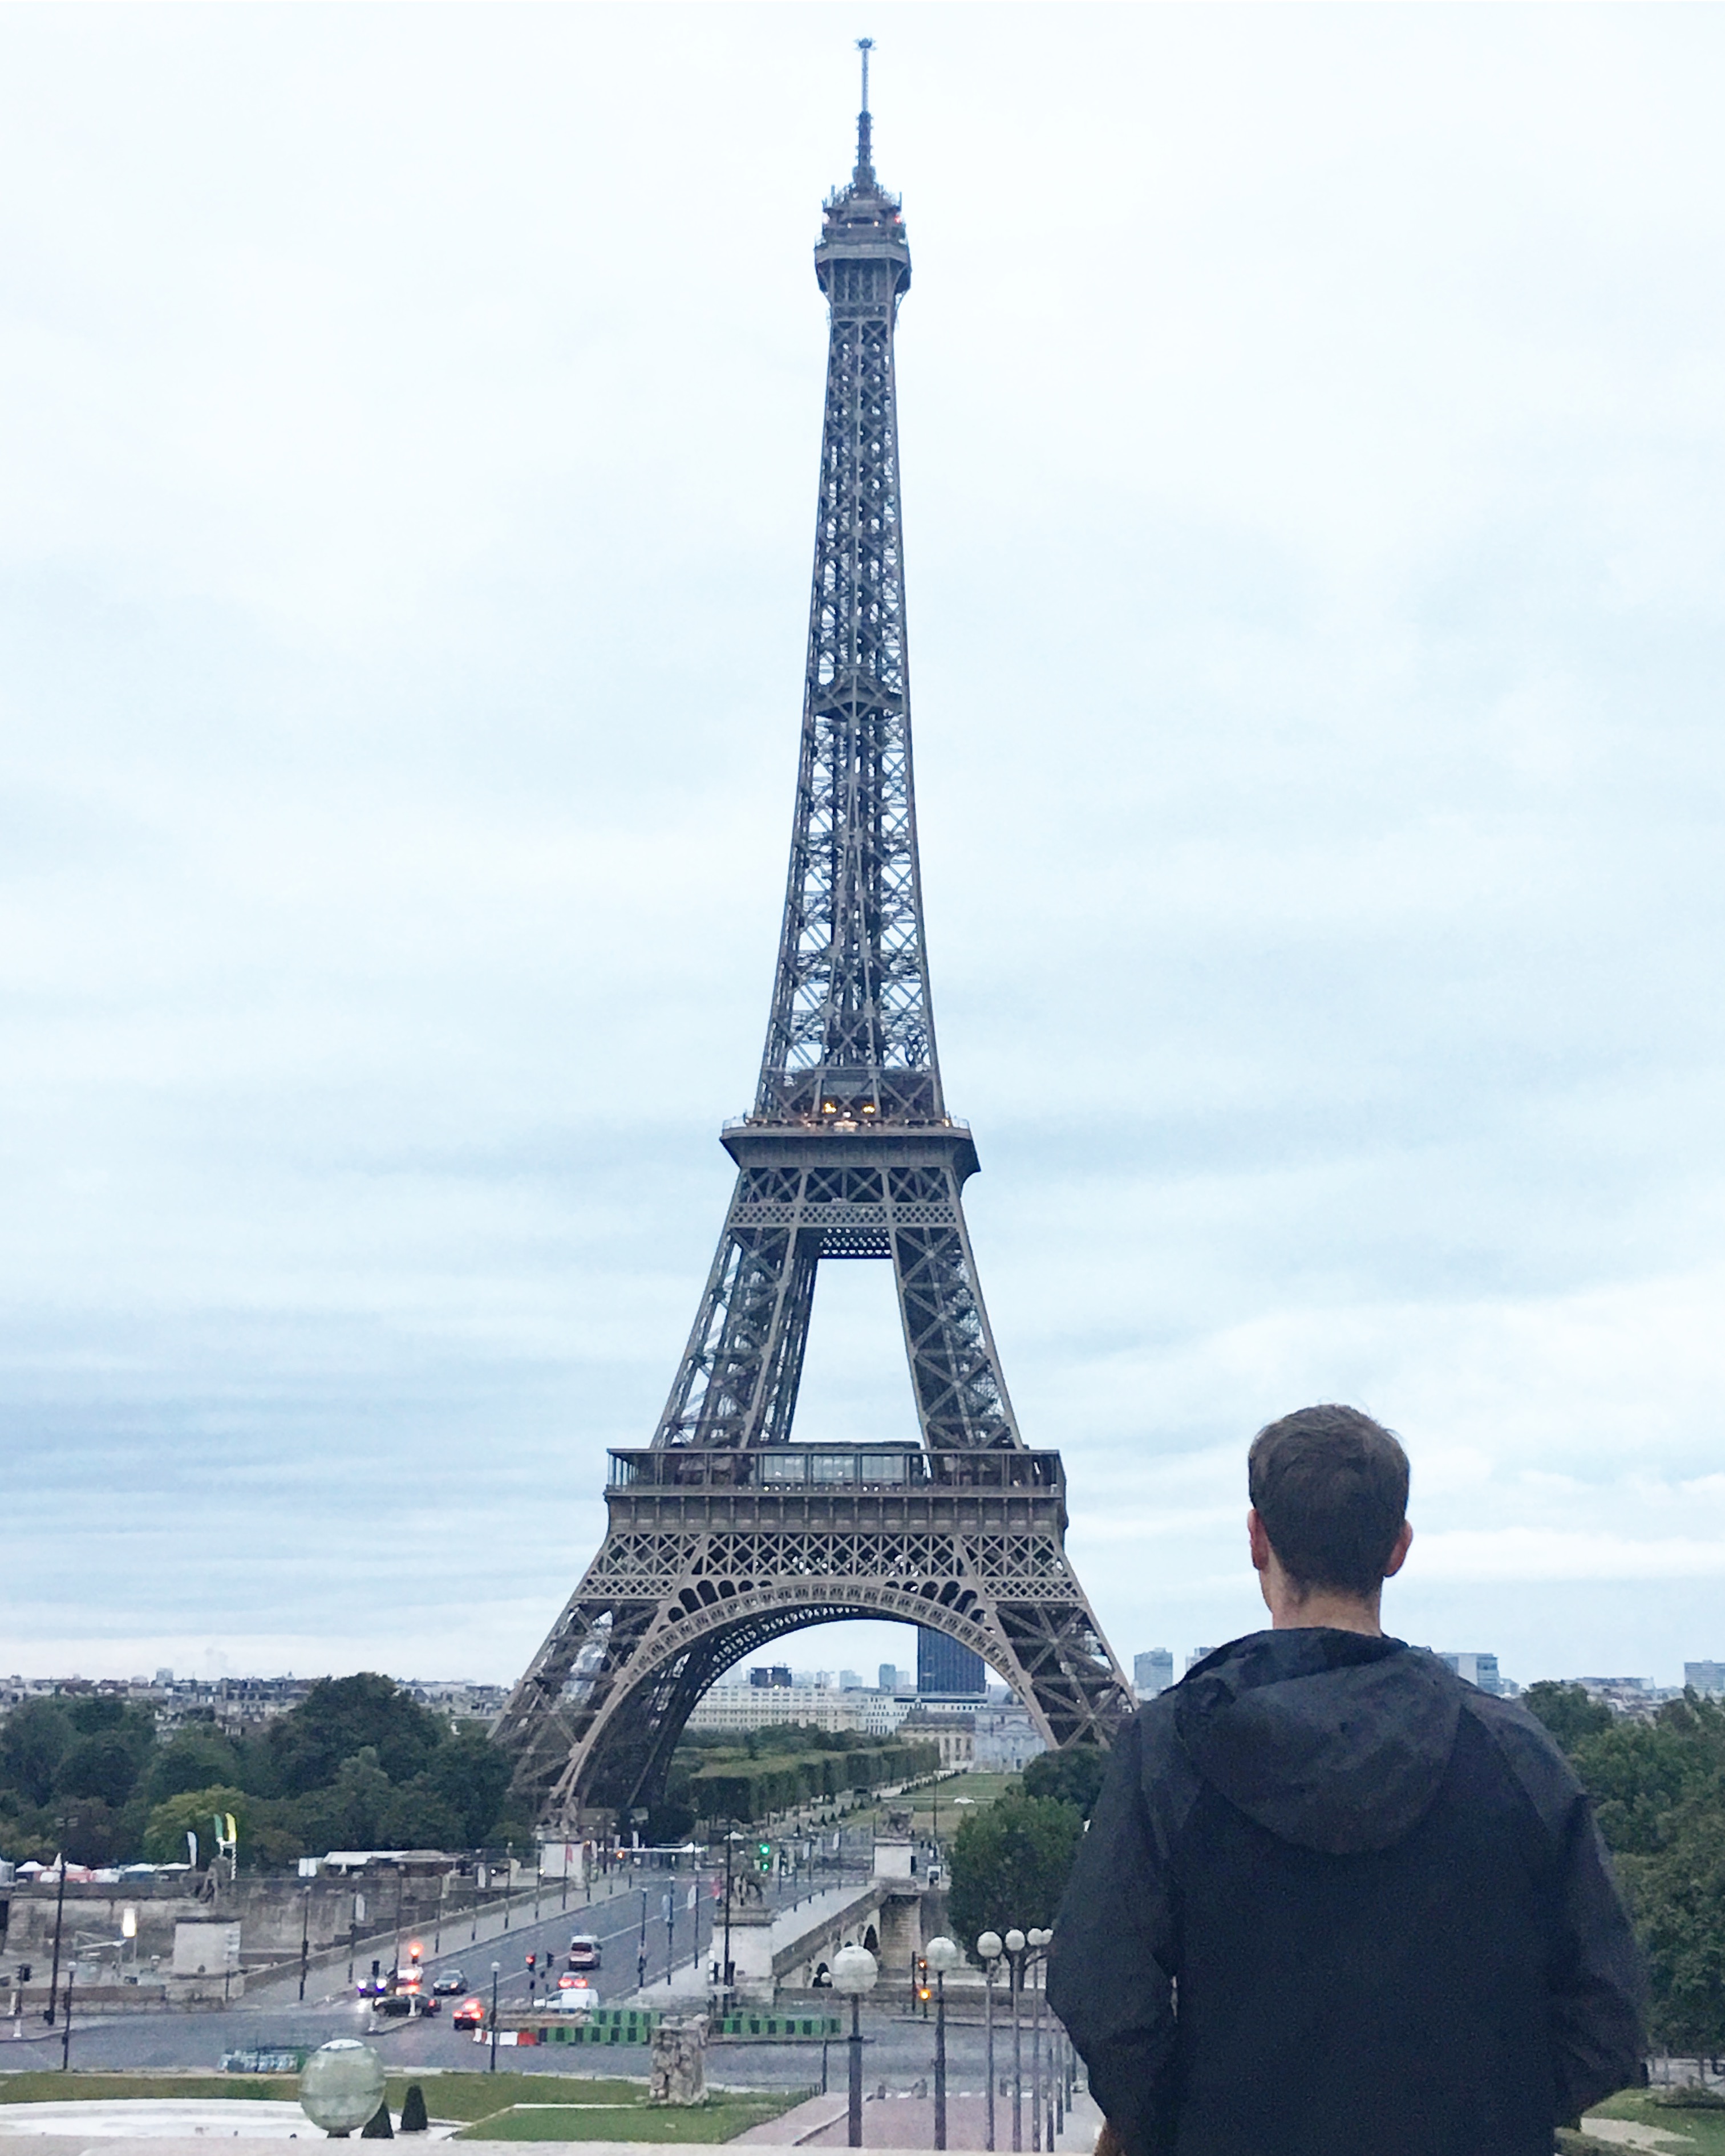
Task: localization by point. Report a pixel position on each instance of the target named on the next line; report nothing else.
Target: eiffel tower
(723, 1534)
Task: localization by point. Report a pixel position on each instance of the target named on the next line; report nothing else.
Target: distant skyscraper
(774, 1678)
(888, 1678)
(1196, 1656)
(1705, 1677)
(849, 1680)
(949, 1666)
(1153, 1672)
(1480, 1670)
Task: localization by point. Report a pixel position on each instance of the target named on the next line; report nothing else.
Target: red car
(470, 2014)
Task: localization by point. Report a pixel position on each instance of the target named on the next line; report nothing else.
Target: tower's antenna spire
(865, 154)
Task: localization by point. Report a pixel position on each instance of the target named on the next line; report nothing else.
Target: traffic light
(414, 1952)
(763, 1856)
(532, 1961)
(923, 1992)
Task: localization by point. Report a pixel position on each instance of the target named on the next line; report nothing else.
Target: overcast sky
(1314, 457)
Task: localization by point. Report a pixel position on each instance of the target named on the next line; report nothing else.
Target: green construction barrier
(819, 2027)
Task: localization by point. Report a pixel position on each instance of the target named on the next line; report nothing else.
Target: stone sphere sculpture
(342, 2086)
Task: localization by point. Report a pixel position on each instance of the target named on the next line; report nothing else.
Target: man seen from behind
(1334, 1900)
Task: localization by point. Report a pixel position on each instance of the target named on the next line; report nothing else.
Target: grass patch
(498, 2107)
(48, 2087)
(721, 2118)
(1693, 2132)
(474, 2096)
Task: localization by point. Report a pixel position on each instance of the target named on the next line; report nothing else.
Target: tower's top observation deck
(861, 221)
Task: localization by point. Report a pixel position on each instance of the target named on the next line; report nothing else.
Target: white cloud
(1313, 450)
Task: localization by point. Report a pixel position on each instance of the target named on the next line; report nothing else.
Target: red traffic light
(532, 1961)
(414, 1951)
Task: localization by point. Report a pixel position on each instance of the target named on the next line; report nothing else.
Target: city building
(954, 1733)
(1196, 1656)
(1153, 1672)
(746, 1706)
(946, 1669)
(1704, 1677)
(774, 1677)
(1480, 1670)
(1006, 1740)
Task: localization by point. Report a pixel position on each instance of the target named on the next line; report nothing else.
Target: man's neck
(1338, 1613)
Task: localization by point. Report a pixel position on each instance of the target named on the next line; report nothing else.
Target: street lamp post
(1037, 1944)
(496, 1970)
(940, 1955)
(990, 1949)
(854, 1971)
(1015, 1943)
(60, 1911)
(725, 1966)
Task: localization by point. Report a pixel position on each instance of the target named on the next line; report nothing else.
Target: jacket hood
(1331, 1740)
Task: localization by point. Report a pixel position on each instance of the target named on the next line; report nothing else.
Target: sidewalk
(907, 2122)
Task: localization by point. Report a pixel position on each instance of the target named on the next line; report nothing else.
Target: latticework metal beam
(849, 1153)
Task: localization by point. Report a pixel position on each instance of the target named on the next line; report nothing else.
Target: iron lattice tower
(722, 1534)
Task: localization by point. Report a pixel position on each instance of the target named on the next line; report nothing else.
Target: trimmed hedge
(750, 1788)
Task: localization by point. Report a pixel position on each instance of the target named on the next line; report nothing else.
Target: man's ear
(1398, 1555)
(1260, 1541)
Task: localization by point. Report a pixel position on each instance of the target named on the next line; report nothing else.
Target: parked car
(584, 1951)
(470, 2014)
(448, 1984)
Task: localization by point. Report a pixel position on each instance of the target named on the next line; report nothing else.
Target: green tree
(193, 1759)
(165, 1829)
(1567, 1712)
(104, 1766)
(418, 1818)
(340, 1717)
(1678, 1897)
(471, 1774)
(1010, 1861)
(349, 1814)
(1074, 1774)
(1658, 1787)
(33, 1739)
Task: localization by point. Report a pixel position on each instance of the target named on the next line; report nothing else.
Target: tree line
(1658, 1790)
(714, 1777)
(1658, 1787)
(359, 1763)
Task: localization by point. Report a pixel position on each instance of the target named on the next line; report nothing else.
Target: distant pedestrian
(1333, 1901)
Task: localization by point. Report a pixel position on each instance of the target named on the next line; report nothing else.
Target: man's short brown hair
(1331, 1486)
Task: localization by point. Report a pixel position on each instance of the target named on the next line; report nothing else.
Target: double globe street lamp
(854, 1972)
(1018, 1948)
(940, 1955)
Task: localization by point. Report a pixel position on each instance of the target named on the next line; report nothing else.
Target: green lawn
(50, 2087)
(499, 2106)
(1693, 2132)
(721, 2118)
(979, 1789)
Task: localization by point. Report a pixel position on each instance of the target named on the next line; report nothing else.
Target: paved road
(899, 2050)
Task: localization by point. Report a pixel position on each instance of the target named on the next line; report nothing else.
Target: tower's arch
(723, 1533)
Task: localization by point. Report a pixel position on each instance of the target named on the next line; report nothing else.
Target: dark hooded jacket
(1335, 1902)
